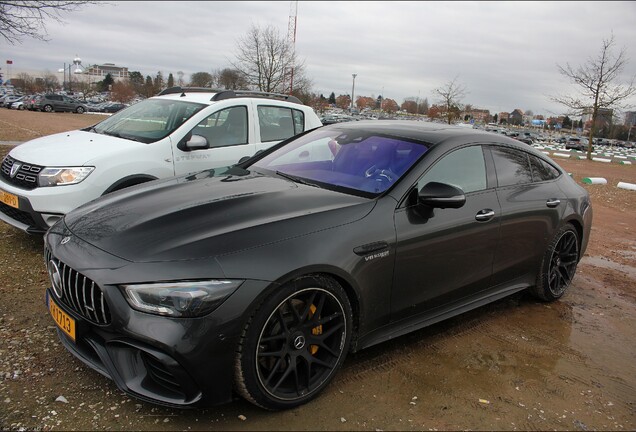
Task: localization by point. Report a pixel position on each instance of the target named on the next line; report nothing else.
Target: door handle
(484, 215)
(553, 202)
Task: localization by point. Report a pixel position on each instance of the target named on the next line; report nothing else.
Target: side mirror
(196, 142)
(246, 158)
(441, 195)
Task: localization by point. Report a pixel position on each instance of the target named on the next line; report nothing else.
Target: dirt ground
(517, 364)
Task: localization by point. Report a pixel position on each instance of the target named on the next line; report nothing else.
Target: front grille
(80, 293)
(19, 215)
(26, 177)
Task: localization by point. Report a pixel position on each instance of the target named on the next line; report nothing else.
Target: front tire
(558, 265)
(79, 110)
(294, 343)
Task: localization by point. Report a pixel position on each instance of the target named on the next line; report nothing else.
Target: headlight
(63, 175)
(180, 299)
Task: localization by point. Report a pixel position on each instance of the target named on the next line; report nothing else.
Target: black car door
(531, 208)
(446, 254)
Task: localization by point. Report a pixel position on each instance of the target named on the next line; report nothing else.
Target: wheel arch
(578, 227)
(340, 276)
(128, 181)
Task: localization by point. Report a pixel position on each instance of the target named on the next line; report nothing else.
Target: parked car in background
(525, 139)
(16, 103)
(9, 99)
(29, 102)
(59, 103)
(178, 132)
(113, 107)
(262, 278)
(577, 143)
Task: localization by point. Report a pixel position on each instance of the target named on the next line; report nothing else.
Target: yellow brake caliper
(316, 331)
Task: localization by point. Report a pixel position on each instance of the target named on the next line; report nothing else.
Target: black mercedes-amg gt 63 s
(259, 279)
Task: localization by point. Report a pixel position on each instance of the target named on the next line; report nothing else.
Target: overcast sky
(504, 53)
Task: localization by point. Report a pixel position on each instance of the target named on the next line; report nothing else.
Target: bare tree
(20, 19)
(25, 82)
(267, 61)
(123, 92)
(596, 87)
(423, 107)
(450, 95)
(51, 82)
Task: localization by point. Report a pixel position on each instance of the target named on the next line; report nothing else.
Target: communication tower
(291, 39)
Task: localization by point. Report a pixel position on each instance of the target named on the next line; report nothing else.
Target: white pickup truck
(180, 131)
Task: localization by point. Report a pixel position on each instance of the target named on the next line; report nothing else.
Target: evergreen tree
(136, 80)
(149, 88)
(158, 83)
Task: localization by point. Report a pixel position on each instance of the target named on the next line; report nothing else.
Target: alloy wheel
(563, 263)
(301, 344)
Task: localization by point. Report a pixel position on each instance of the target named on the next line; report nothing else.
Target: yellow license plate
(9, 199)
(61, 318)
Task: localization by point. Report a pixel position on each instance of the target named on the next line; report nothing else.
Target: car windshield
(357, 162)
(148, 121)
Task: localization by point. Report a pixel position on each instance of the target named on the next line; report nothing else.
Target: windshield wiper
(122, 136)
(296, 179)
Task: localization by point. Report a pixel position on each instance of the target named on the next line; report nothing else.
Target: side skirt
(425, 319)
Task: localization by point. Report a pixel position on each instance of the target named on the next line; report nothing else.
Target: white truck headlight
(59, 176)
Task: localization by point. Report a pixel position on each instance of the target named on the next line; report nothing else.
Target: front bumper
(40, 208)
(25, 218)
(172, 362)
(178, 362)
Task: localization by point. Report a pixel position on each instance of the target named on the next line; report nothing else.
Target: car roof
(204, 98)
(429, 132)
(209, 95)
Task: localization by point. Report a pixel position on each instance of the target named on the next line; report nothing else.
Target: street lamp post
(381, 99)
(353, 87)
(77, 62)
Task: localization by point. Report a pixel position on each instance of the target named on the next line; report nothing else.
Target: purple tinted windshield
(363, 162)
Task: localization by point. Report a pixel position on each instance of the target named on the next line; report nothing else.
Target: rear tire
(294, 343)
(558, 265)
(47, 108)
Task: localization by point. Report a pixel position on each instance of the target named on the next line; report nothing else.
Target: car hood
(200, 216)
(75, 148)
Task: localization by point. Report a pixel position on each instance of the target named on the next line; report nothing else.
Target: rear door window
(541, 170)
(512, 166)
(279, 123)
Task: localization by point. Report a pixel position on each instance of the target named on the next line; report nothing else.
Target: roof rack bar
(228, 94)
(177, 89)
